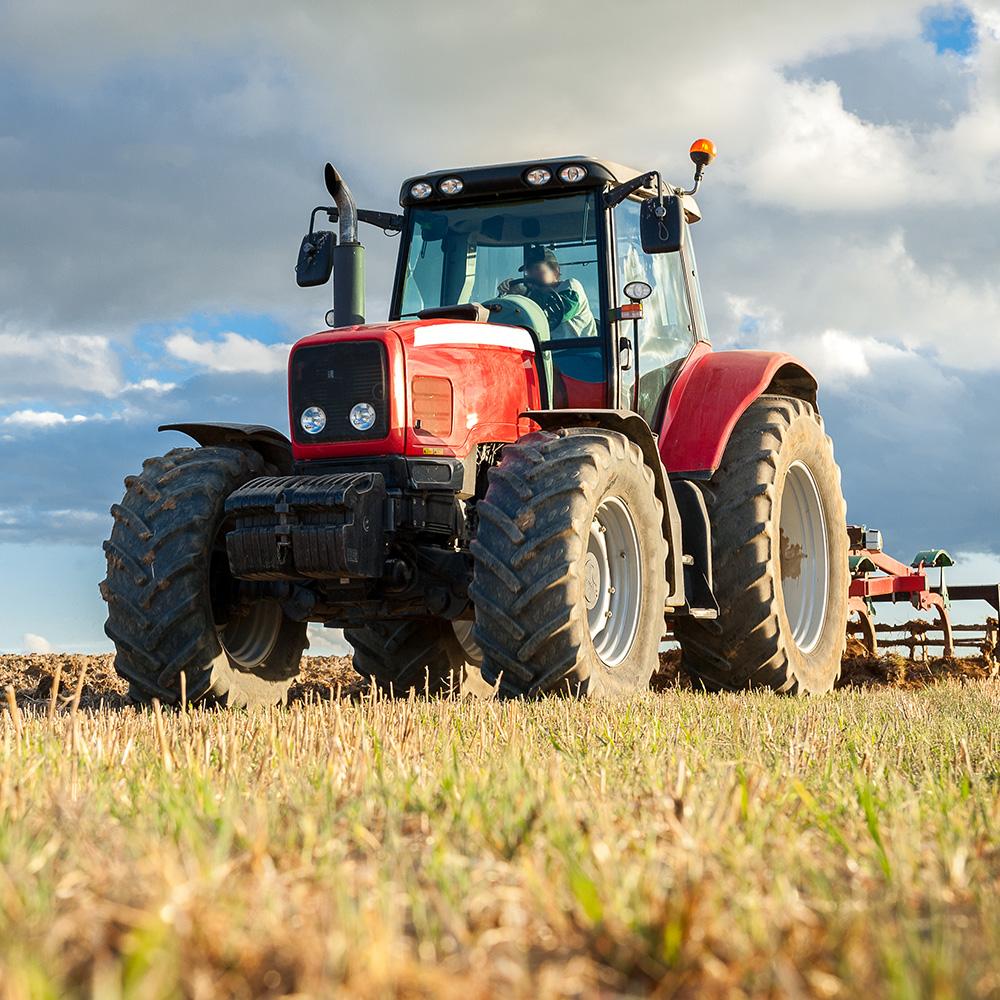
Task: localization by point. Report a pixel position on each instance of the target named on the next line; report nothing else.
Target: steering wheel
(520, 280)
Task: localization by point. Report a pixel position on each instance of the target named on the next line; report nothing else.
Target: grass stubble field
(676, 844)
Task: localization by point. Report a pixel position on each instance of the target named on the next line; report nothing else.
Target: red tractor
(531, 473)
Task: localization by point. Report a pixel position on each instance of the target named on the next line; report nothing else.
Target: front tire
(570, 566)
(779, 549)
(173, 604)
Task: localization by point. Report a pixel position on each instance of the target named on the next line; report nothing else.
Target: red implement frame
(876, 576)
(896, 581)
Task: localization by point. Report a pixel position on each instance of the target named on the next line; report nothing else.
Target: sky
(158, 163)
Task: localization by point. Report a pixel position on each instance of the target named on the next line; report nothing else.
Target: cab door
(670, 324)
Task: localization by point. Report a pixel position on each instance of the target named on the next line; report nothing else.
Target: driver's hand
(510, 287)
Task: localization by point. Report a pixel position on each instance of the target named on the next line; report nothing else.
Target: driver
(564, 302)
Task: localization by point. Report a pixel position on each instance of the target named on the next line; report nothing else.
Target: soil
(32, 676)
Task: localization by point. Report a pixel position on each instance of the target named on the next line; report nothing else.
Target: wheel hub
(612, 581)
(592, 581)
(804, 557)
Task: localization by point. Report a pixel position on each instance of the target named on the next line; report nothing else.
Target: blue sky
(951, 28)
(158, 164)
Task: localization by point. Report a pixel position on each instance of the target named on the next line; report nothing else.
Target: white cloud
(974, 567)
(847, 301)
(235, 353)
(41, 419)
(814, 155)
(988, 18)
(33, 364)
(327, 642)
(151, 385)
(36, 644)
(810, 153)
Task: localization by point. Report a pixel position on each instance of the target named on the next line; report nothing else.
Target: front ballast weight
(322, 527)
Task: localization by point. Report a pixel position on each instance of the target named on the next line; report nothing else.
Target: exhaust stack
(348, 256)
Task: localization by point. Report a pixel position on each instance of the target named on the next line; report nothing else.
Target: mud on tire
(570, 566)
(173, 605)
(779, 548)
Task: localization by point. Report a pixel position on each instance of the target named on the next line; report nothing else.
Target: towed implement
(524, 475)
(877, 578)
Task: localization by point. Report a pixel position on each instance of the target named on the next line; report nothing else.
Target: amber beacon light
(702, 154)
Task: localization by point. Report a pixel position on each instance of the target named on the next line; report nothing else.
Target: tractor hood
(415, 387)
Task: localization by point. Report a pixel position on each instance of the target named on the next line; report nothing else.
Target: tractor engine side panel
(711, 393)
(489, 372)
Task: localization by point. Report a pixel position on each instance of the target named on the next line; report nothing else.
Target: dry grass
(674, 845)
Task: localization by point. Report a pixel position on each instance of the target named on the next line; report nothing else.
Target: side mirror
(315, 263)
(624, 353)
(662, 233)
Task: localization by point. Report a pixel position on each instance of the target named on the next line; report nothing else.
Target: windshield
(545, 249)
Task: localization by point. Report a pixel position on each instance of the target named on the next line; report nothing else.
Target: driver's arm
(559, 306)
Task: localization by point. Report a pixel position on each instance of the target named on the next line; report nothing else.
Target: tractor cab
(541, 245)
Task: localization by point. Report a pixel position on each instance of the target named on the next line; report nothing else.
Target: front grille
(336, 377)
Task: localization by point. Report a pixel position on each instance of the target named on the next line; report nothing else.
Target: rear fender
(711, 393)
(636, 430)
(272, 445)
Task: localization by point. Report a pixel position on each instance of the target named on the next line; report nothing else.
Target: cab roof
(502, 180)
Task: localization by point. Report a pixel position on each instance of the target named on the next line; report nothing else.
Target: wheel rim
(248, 625)
(250, 638)
(612, 581)
(805, 557)
(463, 632)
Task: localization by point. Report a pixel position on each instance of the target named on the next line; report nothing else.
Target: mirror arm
(332, 214)
(381, 220)
(618, 194)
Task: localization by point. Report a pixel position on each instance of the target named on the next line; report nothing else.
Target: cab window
(666, 330)
(478, 253)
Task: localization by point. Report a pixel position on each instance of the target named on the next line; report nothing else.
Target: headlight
(451, 185)
(573, 173)
(538, 176)
(313, 420)
(420, 190)
(363, 416)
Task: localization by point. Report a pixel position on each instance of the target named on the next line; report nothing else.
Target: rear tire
(779, 549)
(173, 604)
(570, 566)
(423, 655)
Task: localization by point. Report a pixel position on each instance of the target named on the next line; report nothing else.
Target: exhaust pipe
(348, 256)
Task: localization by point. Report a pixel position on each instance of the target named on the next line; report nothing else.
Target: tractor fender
(711, 393)
(270, 444)
(637, 430)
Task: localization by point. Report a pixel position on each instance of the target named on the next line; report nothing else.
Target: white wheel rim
(804, 557)
(612, 581)
(463, 633)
